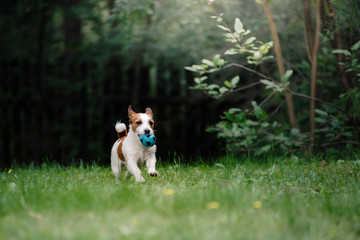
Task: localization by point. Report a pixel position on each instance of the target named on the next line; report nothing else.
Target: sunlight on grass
(280, 199)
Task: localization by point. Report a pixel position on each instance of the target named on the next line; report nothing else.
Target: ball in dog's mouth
(148, 140)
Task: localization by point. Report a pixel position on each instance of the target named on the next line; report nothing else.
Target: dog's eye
(138, 122)
(151, 123)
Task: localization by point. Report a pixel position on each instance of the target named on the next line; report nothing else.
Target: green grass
(299, 200)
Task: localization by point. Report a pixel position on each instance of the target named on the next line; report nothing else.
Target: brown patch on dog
(122, 134)
(151, 123)
(119, 150)
(135, 120)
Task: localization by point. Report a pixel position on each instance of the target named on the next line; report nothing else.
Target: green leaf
(204, 66)
(258, 112)
(254, 104)
(265, 148)
(246, 32)
(264, 49)
(213, 86)
(221, 62)
(268, 84)
(234, 110)
(347, 134)
(191, 69)
(231, 51)
(216, 59)
(249, 40)
(238, 26)
(320, 120)
(287, 75)
(252, 123)
(223, 28)
(235, 81)
(342, 51)
(203, 78)
(240, 117)
(223, 90)
(229, 116)
(214, 93)
(294, 132)
(228, 84)
(207, 62)
(267, 58)
(355, 46)
(321, 112)
(200, 80)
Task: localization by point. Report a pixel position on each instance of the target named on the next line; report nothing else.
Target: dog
(128, 151)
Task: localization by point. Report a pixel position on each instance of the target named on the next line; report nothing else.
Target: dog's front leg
(150, 164)
(133, 168)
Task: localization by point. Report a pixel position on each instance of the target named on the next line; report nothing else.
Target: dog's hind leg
(116, 168)
(115, 163)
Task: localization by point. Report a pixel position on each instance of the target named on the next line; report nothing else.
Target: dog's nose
(147, 131)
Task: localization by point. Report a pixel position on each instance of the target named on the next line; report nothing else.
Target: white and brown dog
(128, 150)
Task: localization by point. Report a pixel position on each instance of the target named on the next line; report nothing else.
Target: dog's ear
(149, 111)
(130, 111)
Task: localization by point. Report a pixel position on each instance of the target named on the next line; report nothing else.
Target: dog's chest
(135, 151)
(142, 155)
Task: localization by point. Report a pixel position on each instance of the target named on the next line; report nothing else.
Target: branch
(317, 100)
(277, 109)
(246, 87)
(287, 90)
(249, 70)
(266, 99)
(340, 142)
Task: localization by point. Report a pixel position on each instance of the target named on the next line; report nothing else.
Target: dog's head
(141, 123)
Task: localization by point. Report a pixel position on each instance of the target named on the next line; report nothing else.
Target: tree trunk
(314, 70)
(329, 22)
(280, 62)
(308, 30)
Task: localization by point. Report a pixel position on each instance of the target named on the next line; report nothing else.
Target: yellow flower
(36, 215)
(213, 205)
(169, 192)
(10, 170)
(257, 204)
(135, 222)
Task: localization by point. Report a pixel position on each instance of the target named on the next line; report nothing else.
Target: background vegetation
(69, 69)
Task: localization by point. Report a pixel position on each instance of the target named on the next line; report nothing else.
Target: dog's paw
(154, 174)
(140, 179)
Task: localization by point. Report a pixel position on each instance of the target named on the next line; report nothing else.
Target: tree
(280, 62)
(251, 129)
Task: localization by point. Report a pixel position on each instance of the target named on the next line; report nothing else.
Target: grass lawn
(270, 199)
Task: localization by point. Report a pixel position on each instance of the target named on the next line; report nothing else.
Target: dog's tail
(121, 129)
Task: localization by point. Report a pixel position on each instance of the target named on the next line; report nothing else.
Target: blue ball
(147, 140)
